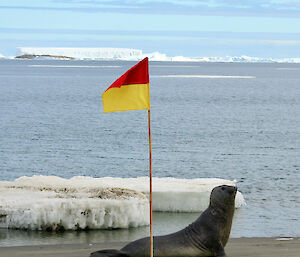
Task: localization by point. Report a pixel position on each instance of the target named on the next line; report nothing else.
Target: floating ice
(53, 203)
(156, 56)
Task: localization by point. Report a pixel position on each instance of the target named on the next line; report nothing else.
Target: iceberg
(2, 56)
(54, 203)
(79, 53)
(126, 54)
(156, 56)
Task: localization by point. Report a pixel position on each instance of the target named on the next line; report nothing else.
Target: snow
(50, 202)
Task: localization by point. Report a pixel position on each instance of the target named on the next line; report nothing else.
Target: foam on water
(51, 203)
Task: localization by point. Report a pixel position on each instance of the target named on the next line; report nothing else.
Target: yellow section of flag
(130, 91)
(126, 98)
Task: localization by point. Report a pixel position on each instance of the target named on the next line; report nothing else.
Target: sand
(236, 247)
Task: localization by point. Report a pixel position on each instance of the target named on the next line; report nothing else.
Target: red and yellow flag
(130, 91)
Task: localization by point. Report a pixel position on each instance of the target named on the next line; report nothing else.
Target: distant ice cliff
(81, 53)
(126, 54)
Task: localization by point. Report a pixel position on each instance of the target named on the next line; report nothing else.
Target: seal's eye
(223, 188)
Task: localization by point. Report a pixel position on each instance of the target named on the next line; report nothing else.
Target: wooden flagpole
(150, 191)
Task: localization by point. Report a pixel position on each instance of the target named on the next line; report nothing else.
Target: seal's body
(207, 236)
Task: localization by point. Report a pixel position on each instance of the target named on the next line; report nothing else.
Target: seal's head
(223, 196)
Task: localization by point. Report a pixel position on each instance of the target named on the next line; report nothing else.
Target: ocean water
(233, 121)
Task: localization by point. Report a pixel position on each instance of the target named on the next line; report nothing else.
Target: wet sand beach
(237, 247)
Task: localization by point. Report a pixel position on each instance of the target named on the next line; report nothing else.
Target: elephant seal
(207, 236)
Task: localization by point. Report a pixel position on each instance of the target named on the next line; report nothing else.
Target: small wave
(73, 66)
(208, 76)
(288, 68)
(54, 203)
(174, 66)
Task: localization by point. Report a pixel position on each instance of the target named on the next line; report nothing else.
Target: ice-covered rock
(49, 202)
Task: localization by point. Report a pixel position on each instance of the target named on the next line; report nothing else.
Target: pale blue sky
(262, 28)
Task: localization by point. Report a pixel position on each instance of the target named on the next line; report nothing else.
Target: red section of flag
(138, 74)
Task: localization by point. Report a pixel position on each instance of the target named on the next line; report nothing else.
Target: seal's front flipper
(220, 252)
(109, 253)
(219, 249)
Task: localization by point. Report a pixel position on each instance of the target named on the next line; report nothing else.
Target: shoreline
(236, 247)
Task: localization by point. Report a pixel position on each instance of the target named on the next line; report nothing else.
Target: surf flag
(130, 91)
